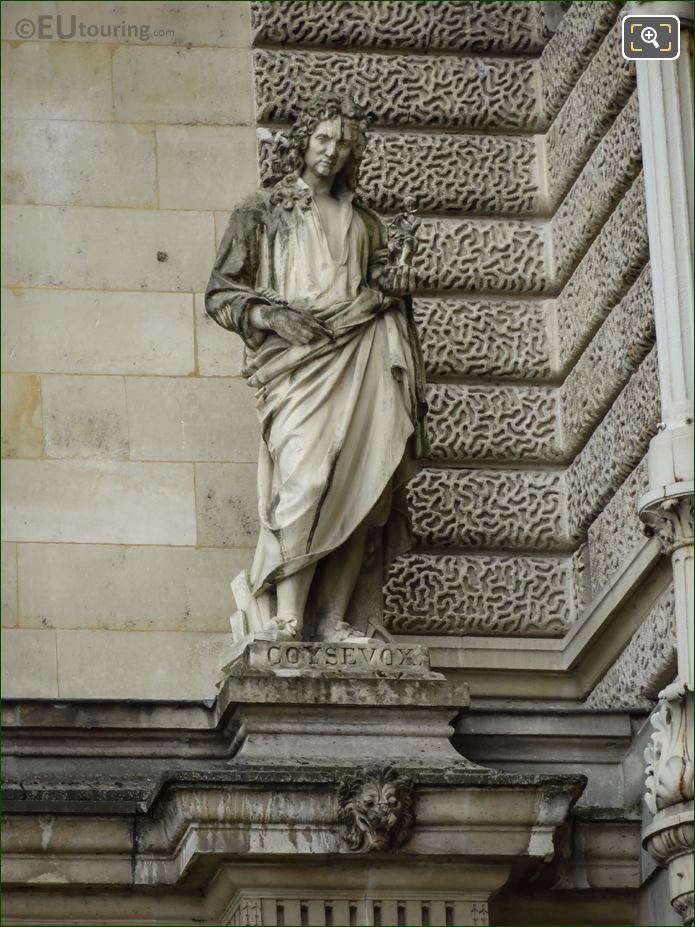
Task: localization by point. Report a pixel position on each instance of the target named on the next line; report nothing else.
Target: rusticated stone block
(450, 594)
(487, 508)
(594, 102)
(618, 530)
(492, 422)
(616, 351)
(479, 256)
(404, 90)
(648, 663)
(615, 448)
(456, 26)
(579, 34)
(608, 269)
(462, 337)
(445, 173)
(605, 179)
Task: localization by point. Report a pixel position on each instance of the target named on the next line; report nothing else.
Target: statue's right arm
(230, 297)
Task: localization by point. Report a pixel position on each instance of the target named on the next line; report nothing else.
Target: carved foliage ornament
(669, 754)
(671, 521)
(375, 805)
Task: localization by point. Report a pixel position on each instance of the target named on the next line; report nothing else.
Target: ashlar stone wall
(129, 439)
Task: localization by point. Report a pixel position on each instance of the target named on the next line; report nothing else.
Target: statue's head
(329, 136)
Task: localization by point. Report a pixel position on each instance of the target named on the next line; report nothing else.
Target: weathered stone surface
(74, 247)
(133, 664)
(90, 332)
(487, 508)
(579, 34)
(610, 266)
(594, 102)
(85, 417)
(219, 353)
(479, 256)
(182, 85)
(216, 24)
(101, 163)
(29, 668)
(205, 167)
(226, 504)
(606, 177)
(192, 419)
(12, 10)
(454, 26)
(616, 351)
(492, 422)
(484, 339)
(618, 530)
(8, 582)
(580, 580)
(647, 664)
(98, 501)
(615, 448)
(57, 80)
(22, 426)
(499, 173)
(408, 90)
(449, 594)
(148, 588)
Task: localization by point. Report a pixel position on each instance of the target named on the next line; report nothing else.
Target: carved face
(329, 148)
(376, 805)
(377, 809)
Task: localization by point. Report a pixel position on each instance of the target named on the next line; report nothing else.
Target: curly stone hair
(288, 156)
(375, 805)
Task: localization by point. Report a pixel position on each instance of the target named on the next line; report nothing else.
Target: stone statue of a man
(303, 275)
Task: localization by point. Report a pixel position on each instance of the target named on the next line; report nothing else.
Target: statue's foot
(338, 631)
(286, 627)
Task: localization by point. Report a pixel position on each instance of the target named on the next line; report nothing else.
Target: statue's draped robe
(341, 420)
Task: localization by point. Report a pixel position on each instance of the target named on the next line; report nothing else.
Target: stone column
(666, 103)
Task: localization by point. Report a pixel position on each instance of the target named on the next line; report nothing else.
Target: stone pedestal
(320, 788)
(342, 704)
